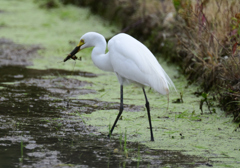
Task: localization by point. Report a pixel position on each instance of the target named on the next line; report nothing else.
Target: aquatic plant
(125, 149)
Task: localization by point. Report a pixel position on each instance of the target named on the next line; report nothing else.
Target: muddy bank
(16, 54)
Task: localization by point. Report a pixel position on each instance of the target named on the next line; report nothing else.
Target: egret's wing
(132, 60)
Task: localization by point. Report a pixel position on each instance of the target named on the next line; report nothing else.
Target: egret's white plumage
(130, 60)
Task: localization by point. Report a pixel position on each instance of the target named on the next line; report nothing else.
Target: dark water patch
(22, 98)
(18, 73)
(69, 150)
(62, 146)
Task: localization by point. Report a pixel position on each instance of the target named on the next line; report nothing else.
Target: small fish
(74, 57)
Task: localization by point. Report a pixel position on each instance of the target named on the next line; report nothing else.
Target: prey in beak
(72, 54)
(74, 51)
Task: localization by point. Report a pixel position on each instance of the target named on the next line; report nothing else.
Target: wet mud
(16, 54)
(41, 123)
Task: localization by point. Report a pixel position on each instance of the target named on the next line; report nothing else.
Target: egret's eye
(80, 43)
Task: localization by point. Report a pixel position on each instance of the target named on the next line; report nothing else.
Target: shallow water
(42, 127)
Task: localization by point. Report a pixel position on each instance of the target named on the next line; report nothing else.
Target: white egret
(131, 61)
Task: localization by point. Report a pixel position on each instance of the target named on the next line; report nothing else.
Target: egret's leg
(149, 116)
(120, 111)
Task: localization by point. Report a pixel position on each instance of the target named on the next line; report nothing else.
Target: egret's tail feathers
(162, 83)
(169, 82)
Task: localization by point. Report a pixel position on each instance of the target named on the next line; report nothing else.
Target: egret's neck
(99, 58)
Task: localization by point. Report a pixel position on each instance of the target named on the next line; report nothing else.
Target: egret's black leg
(149, 116)
(120, 111)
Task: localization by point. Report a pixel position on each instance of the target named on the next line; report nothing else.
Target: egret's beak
(74, 51)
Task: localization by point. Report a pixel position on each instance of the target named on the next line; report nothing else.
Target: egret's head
(87, 40)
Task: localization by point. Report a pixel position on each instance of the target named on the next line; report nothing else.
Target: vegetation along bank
(201, 36)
